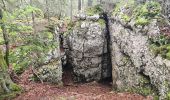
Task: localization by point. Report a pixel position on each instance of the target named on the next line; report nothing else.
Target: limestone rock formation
(132, 58)
(51, 70)
(88, 52)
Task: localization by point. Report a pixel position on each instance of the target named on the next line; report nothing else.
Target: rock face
(88, 52)
(164, 3)
(51, 70)
(132, 58)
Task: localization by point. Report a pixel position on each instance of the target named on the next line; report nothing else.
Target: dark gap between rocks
(107, 80)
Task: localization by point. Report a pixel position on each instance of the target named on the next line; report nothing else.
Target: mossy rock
(168, 55)
(142, 21)
(125, 17)
(15, 87)
(141, 14)
(168, 96)
(144, 87)
(101, 22)
(94, 10)
(154, 49)
(10, 96)
(15, 90)
(142, 90)
(168, 47)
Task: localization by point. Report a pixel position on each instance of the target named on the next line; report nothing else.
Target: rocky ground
(70, 91)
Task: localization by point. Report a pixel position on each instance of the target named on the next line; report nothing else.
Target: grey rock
(51, 70)
(132, 57)
(87, 53)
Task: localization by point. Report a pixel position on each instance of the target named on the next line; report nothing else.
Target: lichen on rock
(88, 52)
(131, 40)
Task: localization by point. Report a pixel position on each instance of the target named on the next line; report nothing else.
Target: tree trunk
(90, 2)
(79, 4)
(33, 18)
(71, 12)
(5, 35)
(6, 39)
(48, 14)
(6, 84)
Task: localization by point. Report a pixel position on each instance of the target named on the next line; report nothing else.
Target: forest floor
(71, 91)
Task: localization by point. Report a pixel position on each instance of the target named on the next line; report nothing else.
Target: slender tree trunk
(48, 14)
(5, 35)
(6, 39)
(6, 84)
(79, 5)
(71, 12)
(100, 1)
(33, 18)
(90, 2)
(83, 6)
(3, 2)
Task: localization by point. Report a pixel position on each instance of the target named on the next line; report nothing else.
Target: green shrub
(168, 56)
(142, 14)
(142, 21)
(168, 96)
(94, 10)
(34, 52)
(101, 22)
(15, 87)
(125, 17)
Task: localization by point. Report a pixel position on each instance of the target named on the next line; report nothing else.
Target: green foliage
(101, 22)
(168, 96)
(142, 14)
(123, 4)
(161, 46)
(142, 21)
(27, 11)
(125, 17)
(9, 96)
(94, 10)
(34, 52)
(15, 87)
(168, 55)
(26, 49)
(144, 87)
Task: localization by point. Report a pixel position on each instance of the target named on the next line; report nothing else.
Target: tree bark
(5, 35)
(33, 18)
(90, 2)
(48, 14)
(79, 4)
(6, 84)
(71, 12)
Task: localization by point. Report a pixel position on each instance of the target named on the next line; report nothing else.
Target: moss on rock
(141, 14)
(144, 88)
(101, 22)
(15, 87)
(94, 10)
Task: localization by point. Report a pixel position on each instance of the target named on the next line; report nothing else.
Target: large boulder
(134, 66)
(51, 72)
(88, 53)
(51, 69)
